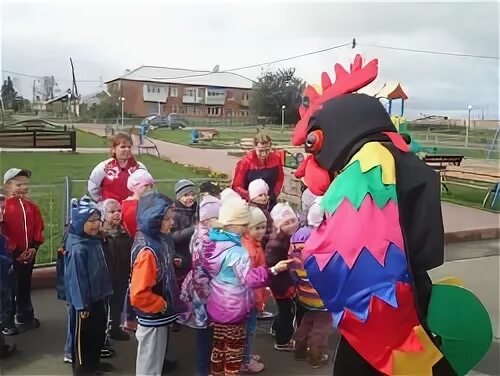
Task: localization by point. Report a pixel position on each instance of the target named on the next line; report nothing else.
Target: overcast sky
(106, 38)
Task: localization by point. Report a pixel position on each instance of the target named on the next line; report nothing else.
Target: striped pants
(227, 351)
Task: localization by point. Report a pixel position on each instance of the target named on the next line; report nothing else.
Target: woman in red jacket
(260, 163)
(109, 178)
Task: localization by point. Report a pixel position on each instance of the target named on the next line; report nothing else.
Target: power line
(256, 65)
(430, 52)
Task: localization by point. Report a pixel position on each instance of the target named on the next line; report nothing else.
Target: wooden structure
(441, 162)
(38, 139)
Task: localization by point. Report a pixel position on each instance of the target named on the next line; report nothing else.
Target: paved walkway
(40, 351)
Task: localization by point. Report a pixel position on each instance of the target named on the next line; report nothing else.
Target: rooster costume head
(333, 123)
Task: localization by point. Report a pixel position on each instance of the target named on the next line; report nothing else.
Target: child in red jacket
(23, 226)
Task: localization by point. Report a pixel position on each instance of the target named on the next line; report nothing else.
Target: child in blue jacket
(87, 285)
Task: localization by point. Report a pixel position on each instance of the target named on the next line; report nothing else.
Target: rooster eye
(305, 101)
(314, 141)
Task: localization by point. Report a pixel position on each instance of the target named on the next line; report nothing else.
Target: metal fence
(54, 203)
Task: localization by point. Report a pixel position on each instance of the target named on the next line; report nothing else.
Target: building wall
(236, 103)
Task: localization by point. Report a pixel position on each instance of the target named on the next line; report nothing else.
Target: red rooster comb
(345, 83)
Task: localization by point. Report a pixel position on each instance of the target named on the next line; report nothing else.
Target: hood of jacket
(81, 211)
(151, 209)
(215, 252)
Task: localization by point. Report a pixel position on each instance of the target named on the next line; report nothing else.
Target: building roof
(166, 75)
(389, 90)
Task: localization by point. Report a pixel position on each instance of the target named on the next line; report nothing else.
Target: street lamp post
(282, 118)
(69, 109)
(122, 99)
(467, 128)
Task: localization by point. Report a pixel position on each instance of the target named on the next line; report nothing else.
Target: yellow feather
(374, 154)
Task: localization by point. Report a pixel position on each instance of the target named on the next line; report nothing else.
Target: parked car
(172, 121)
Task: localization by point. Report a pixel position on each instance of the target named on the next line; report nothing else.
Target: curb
(46, 277)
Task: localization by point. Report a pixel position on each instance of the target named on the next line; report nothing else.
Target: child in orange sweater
(252, 243)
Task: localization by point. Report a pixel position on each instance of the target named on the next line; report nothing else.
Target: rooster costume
(383, 230)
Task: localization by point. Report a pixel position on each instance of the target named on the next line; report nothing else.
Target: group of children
(149, 263)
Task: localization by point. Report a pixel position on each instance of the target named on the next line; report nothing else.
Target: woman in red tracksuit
(23, 227)
(109, 178)
(260, 163)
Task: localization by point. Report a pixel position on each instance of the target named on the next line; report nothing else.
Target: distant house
(151, 90)
(95, 98)
(60, 105)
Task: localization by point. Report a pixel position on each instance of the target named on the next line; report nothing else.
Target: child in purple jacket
(231, 297)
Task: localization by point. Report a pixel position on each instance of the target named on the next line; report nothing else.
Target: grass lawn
(90, 140)
(226, 139)
(47, 188)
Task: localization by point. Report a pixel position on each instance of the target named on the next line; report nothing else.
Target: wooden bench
(441, 162)
(146, 145)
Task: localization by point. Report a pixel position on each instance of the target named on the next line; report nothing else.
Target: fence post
(34, 138)
(72, 137)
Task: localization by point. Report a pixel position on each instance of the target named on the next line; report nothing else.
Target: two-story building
(152, 90)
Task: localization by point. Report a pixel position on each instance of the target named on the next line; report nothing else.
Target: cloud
(104, 39)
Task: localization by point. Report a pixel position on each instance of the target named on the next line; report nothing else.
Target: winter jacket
(250, 168)
(109, 180)
(23, 225)
(231, 296)
(257, 258)
(153, 289)
(5, 263)
(196, 286)
(129, 215)
(307, 296)
(182, 231)
(86, 276)
(276, 247)
(117, 245)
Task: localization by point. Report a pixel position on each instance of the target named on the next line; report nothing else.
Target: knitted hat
(227, 194)
(257, 216)
(300, 236)
(209, 208)
(103, 206)
(210, 187)
(316, 214)
(282, 213)
(256, 188)
(234, 211)
(138, 179)
(183, 187)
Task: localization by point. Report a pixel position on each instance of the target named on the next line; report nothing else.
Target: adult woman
(109, 178)
(260, 163)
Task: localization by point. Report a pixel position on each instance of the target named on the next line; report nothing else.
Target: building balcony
(215, 100)
(191, 99)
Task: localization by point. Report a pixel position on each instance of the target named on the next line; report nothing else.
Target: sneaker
(119, 335)
(25, 326)
(322, 361)
(256, 357)
(252, 367)
(107, 353)
(7, 351)
(290, 346)
(10, 331)
(67, 359)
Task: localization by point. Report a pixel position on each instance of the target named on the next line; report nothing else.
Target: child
(311, 337)
(231, 298)
(228, 193)
(183, 227)
(276, 247)
(251, 240)
(23, 226)
(196, 285)
(88, 286)
(5, 293)
(140, 182)
(258, 193)
(116, 244)
(153, 288)
(209, 188)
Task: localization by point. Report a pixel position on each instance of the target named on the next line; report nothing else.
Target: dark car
(172, 121)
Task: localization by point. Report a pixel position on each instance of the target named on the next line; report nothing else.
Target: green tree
(108, 108)
(9, 94)
(274, 90)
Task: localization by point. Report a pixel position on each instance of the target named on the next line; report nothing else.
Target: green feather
(354, 185)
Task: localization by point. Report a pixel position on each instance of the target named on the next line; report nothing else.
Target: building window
(189, 92)
(201, 93)
(214, 111)
(174, 91)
